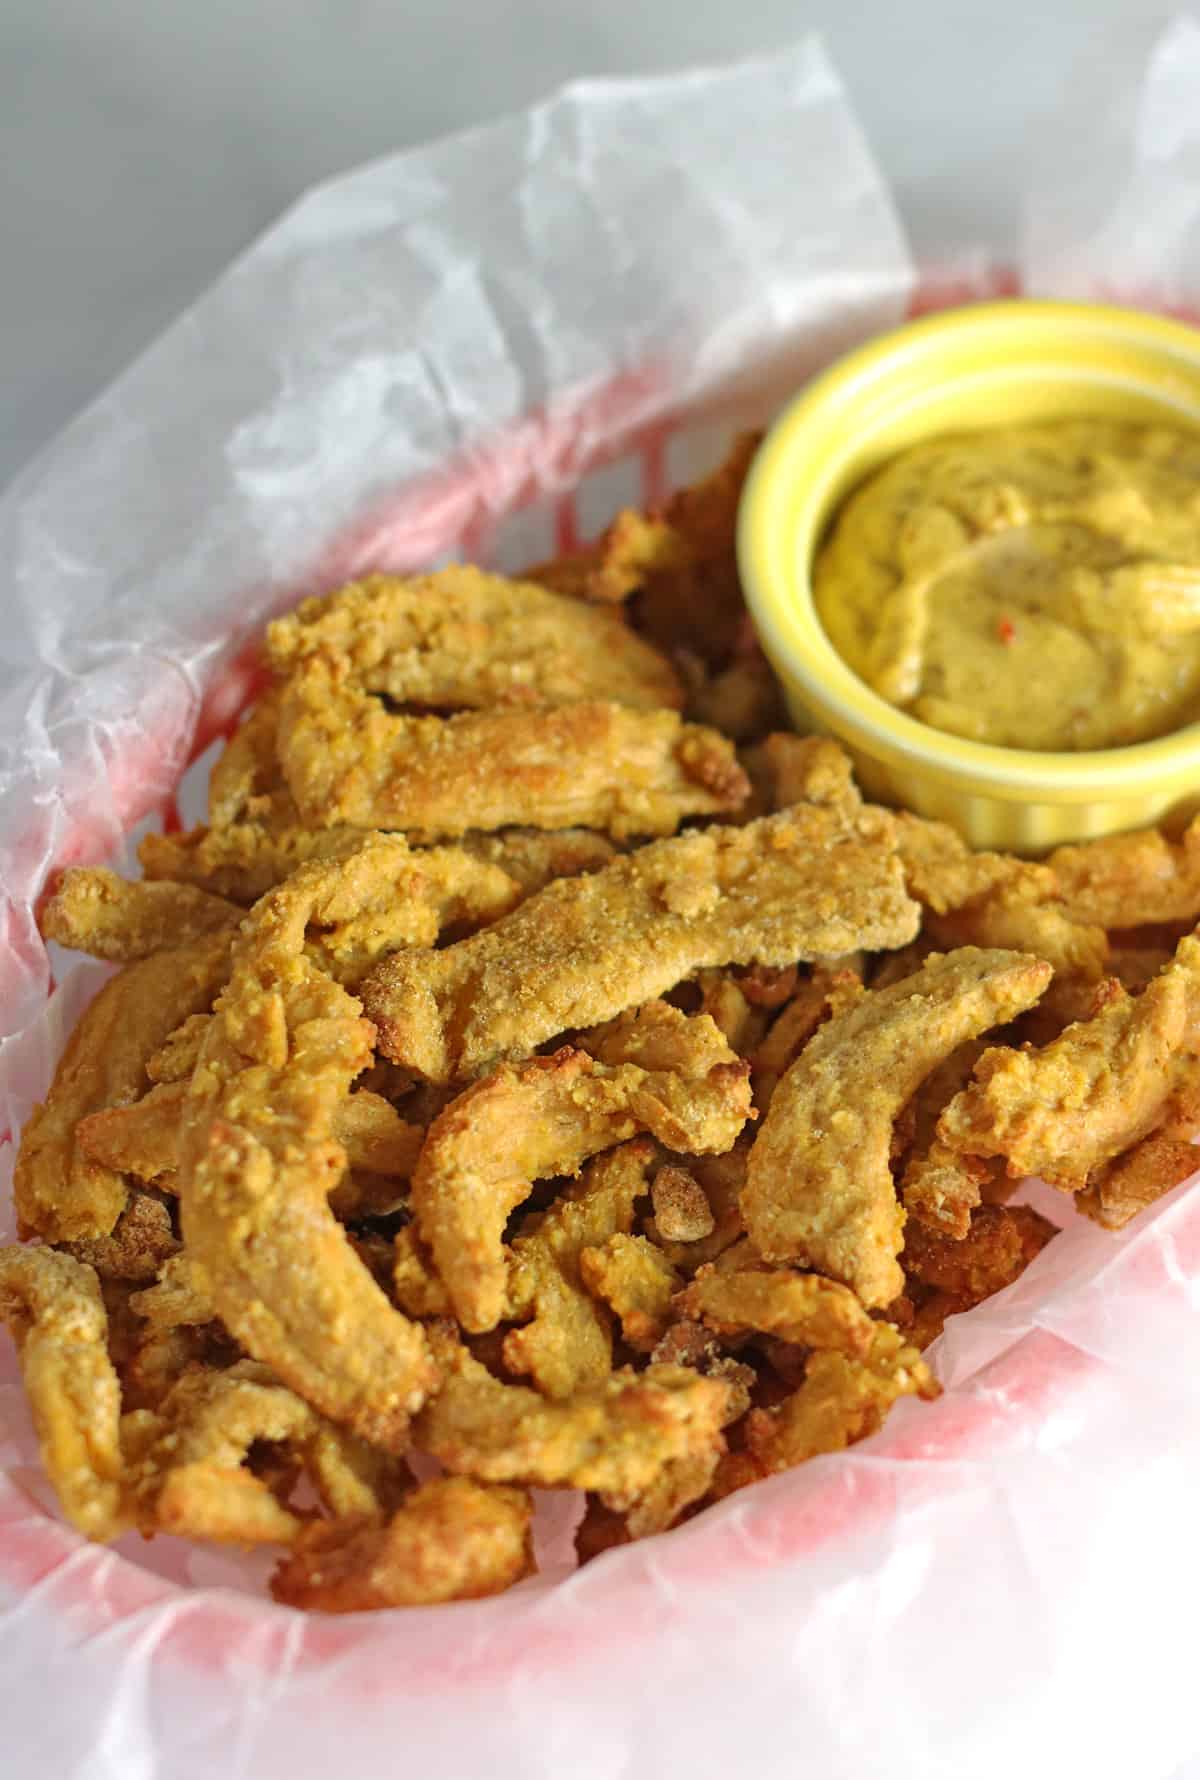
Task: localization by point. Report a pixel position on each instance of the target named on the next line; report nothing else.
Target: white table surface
(143, 143)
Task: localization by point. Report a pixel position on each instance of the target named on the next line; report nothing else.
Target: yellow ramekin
(959, 371)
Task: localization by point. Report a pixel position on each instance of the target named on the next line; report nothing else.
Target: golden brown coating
(682, 1212)
(1121, 1189)
(938, 1185)
(246, 774)
(1001, 1242)
(450, 1540)
(818, 1183)
(607, 571)
(348, 760)
(60, 1194)
(802, 1308)
(257, 1160)
(460, 639)
(55, 1313)
(143, 1138)
(637, 1282)
(534, 857)
(1009, 920)
(841, 1401)
(564, 1342)
(809, 769)
(140, 1242)
(829, 990)
(93, 910)
(534, 1120)
(615, 1437)
(1065, 1110)
(242, 860)
(797, 885)
(188, 1471)
(1102, 881)
(943, 873)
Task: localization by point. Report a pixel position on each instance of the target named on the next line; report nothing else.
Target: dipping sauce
(1033, 587)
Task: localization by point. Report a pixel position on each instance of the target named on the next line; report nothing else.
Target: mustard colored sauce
(1035, 587)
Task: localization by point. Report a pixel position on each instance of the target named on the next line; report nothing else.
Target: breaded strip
(841, 1401)
(797, 885)
(943, 873)
(452, 1539)
(543, 1118)
(616, 564)
(246, 773)
(637, 1282)
(616, 1437)
(350, 761)
(1065, 1110)
(93, 910)
(257, 1159)
(188, 1472)
(56, 1316)
(1103, 882)
(802, 1308)
(243, 860)
(60, 1194)
(534, 857)
(818, 1183)
(140, 1243)
(1000, 1243)
(461, 639)
(143, 1139)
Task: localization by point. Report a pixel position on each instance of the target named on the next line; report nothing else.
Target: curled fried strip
(615, 1437)
(93, 910)
(55, 1313)
(826, 992)
(1064, 1111)
(257, 1159)
(818, 1183)
(944, 874)
(841, 1401)
(546, 1117)
(607, 571)
(797, 885)
(802, 1308)
(600, 765)
(566, 1342)
(460, 638)
(60, 1194)
(450, 1540)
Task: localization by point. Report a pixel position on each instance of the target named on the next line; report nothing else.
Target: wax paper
(478, 349)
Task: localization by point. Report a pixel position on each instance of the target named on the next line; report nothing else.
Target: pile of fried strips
(544, 1069)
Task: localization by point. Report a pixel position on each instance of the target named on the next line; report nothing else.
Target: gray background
(143, 143)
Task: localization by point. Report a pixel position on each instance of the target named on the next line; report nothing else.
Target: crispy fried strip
(941, 1187)
(242, 860)
(179, 1298)
(451, 1540)
(143, 1139)
(55, 1313)
(257, 1159)
(1118, 1192)
(797, 885)
(546, 1117)
(246, 773)
(637, 1282)
(93, 910)
(841, 1401)
(176, 1056)
(189, 1475)
(1012, 921)
(615, 1437)
(826, 992)
(1100, 881)
(944, 874)
(534, 857)
(460, 639)
(61, 1195)
(1064, 1111)
(818, 1183)
(809, 769)
(600, 765)
(802, 1308)
(565, 1339)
